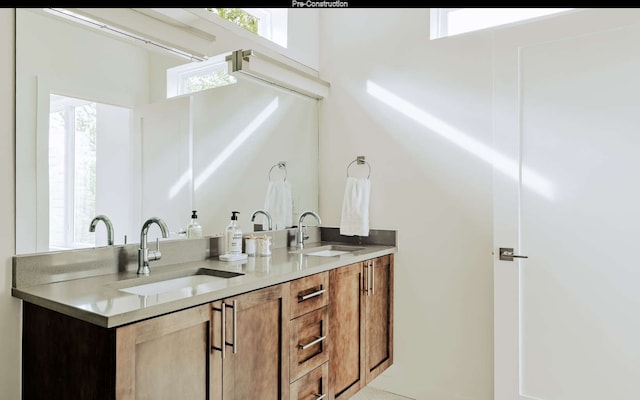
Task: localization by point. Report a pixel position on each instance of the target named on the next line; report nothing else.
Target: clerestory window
(269, 23)
(453, 21)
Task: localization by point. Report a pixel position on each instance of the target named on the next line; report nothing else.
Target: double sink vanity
(125, 321)
(311, 323)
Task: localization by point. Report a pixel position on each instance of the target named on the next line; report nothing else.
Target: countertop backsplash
(50, 267)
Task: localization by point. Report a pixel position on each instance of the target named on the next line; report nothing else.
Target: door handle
(506, 254)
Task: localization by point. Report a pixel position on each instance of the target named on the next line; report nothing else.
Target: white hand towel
(278, 202)
(355, 207)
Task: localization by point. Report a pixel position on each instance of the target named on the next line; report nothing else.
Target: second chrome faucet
(302, 231)
(267, 216)
(144, 254)
(107, 222)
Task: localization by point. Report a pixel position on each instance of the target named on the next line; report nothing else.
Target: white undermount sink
(204, 280)
(329, 250)
(149, 289)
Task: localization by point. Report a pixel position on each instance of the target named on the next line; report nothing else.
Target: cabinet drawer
(309, 342)
(309, 293)
(312, 386)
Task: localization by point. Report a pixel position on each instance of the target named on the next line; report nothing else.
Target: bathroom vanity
(300, 324)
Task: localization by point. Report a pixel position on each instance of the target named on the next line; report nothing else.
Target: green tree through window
(238, 16)
(210, 80)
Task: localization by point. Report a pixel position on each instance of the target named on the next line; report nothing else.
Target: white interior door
(567, 318)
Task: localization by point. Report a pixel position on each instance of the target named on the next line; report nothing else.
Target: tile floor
(369, 393)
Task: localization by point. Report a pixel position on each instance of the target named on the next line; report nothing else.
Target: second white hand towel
(355, 207)
(278, 202)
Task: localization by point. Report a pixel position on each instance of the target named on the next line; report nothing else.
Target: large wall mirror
(96, 134)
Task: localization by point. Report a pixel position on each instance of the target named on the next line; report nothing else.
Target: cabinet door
(165, 357)
(256, 362)
(379, 316)
(346, 319)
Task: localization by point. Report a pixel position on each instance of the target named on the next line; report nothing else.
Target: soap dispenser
(233, 235)
(194, 230)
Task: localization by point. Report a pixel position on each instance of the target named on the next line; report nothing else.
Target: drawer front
(312, 386)
(309, 293)
(309, 342)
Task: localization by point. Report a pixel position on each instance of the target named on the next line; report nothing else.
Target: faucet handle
(155, 254)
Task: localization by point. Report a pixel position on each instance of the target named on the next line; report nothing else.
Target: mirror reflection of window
(269, 23)
(74, 154)
(198, 75)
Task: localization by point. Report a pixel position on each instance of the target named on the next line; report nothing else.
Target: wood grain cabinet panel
(346, 317)
(164, 357)
(256, 359)
(312, 386)
(309, 343)
(379, 317)
(309, 293)
(361, 320)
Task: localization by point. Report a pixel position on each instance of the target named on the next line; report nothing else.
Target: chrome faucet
(107, 222)
(266, 214)
(302, 235)
(144, 254)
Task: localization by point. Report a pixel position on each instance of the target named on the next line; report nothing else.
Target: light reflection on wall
(509, 167)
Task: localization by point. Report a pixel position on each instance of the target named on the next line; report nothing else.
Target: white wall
(303, 36)
(434, 192)
(10, 307)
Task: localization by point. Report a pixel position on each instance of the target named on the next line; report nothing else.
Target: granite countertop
(100, 301)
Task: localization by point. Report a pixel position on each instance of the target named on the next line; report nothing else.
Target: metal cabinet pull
(223, 328)
(310, 295)
(235, 327)
(506, 254)
(367, 279)
(320, 396)
(316, 341)
(373, 279)
(223, 323)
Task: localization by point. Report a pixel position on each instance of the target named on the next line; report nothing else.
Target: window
(72, 171)
(269, 23)
(83, 143)
(453, 21)
(238, 16)
(200, 75)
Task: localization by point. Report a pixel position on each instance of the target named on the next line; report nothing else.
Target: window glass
(269, 23)
(72, 171)
(453, 21)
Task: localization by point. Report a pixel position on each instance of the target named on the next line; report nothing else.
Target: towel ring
(281, 164)
(360, 161)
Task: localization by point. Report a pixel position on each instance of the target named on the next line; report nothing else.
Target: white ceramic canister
(250, 245)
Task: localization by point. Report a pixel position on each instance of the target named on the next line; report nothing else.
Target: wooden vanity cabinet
(361, 320)
(324, 336)
(255, 333)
